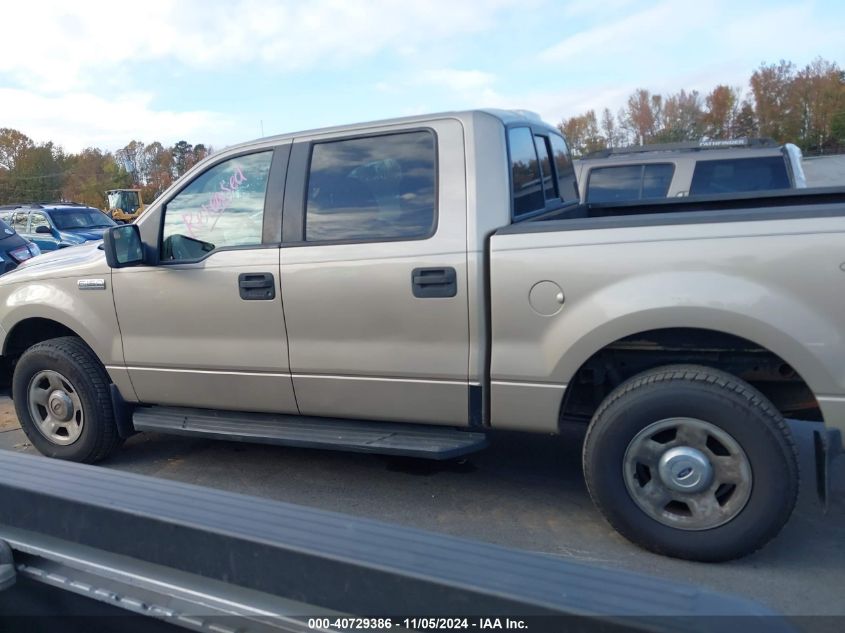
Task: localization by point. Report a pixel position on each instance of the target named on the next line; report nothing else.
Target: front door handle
(257, 286)
(434, 282)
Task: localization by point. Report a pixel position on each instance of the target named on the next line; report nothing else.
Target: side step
(389, 438)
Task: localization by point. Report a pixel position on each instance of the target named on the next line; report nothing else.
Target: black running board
(388, 438)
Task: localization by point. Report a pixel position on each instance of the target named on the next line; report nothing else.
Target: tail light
(22, 253)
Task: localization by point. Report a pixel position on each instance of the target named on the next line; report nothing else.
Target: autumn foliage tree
(804, 106)
(722, 109)
(582, 132)
(32, 172)
(89, 174)
(682, 117)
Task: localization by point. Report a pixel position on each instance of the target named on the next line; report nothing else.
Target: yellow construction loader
(125, 205)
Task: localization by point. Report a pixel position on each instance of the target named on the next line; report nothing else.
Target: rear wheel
(691, 462)
(63, 403)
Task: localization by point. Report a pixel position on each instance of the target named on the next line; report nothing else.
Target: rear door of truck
(373, 273)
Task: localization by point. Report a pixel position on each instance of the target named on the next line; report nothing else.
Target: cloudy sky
(100, 73)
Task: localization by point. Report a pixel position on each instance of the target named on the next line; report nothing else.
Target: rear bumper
(833, 411)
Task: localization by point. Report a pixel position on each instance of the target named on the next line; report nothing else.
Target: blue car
(58, 225)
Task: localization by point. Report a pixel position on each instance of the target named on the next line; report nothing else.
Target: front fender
(89, 313)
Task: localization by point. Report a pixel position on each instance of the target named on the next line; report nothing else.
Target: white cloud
(67, 66)
(593, 9)
(78, 120)
(457, 80)
(459, 88)
(74, 39)
(660, 25)
(663, 48)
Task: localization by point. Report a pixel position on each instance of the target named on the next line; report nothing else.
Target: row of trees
(802, 106)
(32, 172)
(153, 167)
(805, 106)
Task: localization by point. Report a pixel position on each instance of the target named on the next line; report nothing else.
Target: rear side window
(567, 186)
(629, 182)
(525, 172)
(541, 143)
(739, 174)
(19, 221)
(373, 188)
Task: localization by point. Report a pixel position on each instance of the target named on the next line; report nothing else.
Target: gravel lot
(524, 491)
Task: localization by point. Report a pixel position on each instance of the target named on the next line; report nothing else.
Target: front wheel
(691, 462)
(62, 400)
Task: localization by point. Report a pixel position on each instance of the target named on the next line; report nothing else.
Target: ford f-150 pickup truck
(407, 285)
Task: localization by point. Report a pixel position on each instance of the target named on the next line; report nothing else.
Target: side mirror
(42, 229)
(123, 246)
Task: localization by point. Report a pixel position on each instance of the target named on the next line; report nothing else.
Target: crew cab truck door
(205, 327)
(373, 274)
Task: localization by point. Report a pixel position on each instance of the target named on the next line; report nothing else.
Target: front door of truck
(205, 326)
(374, 274)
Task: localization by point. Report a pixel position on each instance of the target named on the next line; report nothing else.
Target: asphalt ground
(524, 491)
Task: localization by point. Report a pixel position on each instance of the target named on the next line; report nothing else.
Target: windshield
(80, 219)
(127, 201)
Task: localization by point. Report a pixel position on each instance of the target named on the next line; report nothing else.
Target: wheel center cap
(60, 405)
(685, 469)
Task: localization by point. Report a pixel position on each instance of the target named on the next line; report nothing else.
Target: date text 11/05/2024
(417, 624)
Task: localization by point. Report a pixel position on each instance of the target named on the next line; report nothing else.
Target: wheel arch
(762, 365)
(29, 331)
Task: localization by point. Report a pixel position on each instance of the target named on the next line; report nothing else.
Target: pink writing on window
(206, 217)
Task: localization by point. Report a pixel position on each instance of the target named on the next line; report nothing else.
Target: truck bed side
(772, 277)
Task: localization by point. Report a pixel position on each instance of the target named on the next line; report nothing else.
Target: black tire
(722, 400)
(73, 359)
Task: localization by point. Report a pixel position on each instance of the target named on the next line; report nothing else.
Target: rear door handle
(257, 286)
(434, 282)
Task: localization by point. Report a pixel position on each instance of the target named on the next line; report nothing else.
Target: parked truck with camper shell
(695, 168)
(409, 286)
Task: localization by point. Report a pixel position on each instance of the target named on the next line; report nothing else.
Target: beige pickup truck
(408, 286)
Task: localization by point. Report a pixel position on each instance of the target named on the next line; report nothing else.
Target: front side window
(19, 221)
(567, 185)
(38, 219)
(222, 207)
(739, 174)
(629, 182)
(374, 188)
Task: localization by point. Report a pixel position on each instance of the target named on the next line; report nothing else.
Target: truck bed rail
(183, 553)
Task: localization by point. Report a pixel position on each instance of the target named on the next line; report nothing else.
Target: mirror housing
(123, 246)
(42, 229)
